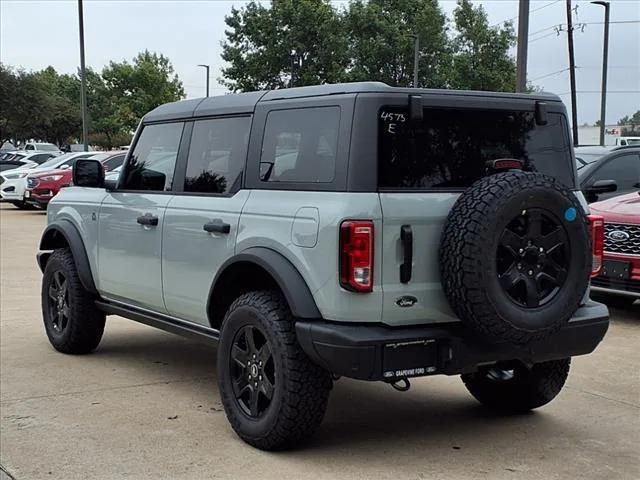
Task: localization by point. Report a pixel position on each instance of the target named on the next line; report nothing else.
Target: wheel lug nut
(521, 250)
(541, 249)
(260, 377)
(255, 384)
(260, 363)
(519, 267)
(530, 272)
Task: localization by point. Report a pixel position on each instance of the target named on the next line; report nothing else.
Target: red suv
(620, 277)
(42, 187)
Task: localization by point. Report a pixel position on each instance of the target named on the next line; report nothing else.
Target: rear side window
(217, 155)
(451, 148)
(153, 160)
(300, 145)
(113, 162)
(40, 158)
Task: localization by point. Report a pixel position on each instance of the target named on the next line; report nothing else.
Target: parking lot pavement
(146, 405)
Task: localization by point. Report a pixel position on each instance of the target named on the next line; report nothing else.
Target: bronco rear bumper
(378, 352)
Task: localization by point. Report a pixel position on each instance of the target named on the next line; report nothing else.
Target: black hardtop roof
(236, 103)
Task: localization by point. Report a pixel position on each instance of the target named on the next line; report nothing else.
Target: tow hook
(402, 384)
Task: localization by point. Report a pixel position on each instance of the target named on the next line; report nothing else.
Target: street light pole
(206, 67)
(605, 59)
(416, 60)
(83, 80)
(523, 34)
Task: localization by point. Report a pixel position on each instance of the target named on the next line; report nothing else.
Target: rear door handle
(217, 226)
(148, 220)
(406, 237)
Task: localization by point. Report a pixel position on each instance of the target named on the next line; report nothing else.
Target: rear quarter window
(451, 147)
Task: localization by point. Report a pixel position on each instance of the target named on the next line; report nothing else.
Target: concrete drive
(145, 406)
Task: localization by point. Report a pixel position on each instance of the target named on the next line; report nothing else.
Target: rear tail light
(596, 228)
(356, 255)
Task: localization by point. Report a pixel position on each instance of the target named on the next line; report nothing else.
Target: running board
(163, 322)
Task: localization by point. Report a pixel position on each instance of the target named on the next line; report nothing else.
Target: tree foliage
(366, 40)
(266, 45)
(631, 124)
(45, 105)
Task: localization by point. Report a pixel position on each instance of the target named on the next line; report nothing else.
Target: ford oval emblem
(406, 301)
(618, 236)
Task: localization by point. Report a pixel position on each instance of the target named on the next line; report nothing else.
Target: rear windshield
(451, 147)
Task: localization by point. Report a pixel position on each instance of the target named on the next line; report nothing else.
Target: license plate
(27, 194)
(409, 359)
(616, 269)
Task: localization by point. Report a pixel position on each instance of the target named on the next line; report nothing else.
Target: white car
(42, 147)
(113, 174)
(13, 183)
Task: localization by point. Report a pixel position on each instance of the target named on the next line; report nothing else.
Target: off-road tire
(85, 323)
(528, 389)
(468, 252)
(301, 389)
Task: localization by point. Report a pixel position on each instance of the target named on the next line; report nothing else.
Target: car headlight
(15, 176)
(50, 178)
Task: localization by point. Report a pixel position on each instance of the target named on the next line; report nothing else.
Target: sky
(37, 33)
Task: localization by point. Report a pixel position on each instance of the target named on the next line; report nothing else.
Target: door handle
(148, 220)
(406, 237)
(216, 226)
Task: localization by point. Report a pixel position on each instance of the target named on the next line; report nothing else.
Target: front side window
(153, 160)
(300, 145)
(217, 155)
(624, 169)
(451, 147)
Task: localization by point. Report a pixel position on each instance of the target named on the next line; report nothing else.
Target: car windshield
(100, 156)
(584, 159)
(54, 161)
(47, 147)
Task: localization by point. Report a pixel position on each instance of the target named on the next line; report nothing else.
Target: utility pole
(416, 59)
(605, 60)
(523, 43)
(83, 80)
(572, 75)
(206, 67)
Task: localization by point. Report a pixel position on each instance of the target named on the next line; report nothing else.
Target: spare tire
(515, 256)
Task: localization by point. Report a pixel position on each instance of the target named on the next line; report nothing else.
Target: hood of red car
(617, 209)
(65, 173)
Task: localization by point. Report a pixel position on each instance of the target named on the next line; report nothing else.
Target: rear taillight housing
(356, 255)
(596, 229)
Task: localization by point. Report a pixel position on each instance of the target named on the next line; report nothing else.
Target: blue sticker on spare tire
(570, 214)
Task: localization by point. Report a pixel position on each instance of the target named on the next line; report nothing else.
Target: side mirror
(602, 186)
(88, 173)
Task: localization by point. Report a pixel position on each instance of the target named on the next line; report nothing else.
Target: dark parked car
(615, 173)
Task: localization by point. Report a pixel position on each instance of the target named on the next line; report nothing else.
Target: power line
(548, 75)
(530, 12)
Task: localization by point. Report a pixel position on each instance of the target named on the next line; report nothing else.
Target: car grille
(617, 284)
(32, 182)
(628, 241)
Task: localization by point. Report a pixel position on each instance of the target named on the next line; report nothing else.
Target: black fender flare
(286, 275)
(56, 235)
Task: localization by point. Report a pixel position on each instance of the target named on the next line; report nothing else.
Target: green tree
(265, 45)
(381, 37)
(481, 59)
(133, 89)
(631, 124)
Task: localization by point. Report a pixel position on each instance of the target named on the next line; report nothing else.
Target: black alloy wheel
(58, 302)
(533, 258)
(252, 371)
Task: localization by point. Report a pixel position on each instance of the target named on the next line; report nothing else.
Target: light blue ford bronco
(353, 230)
